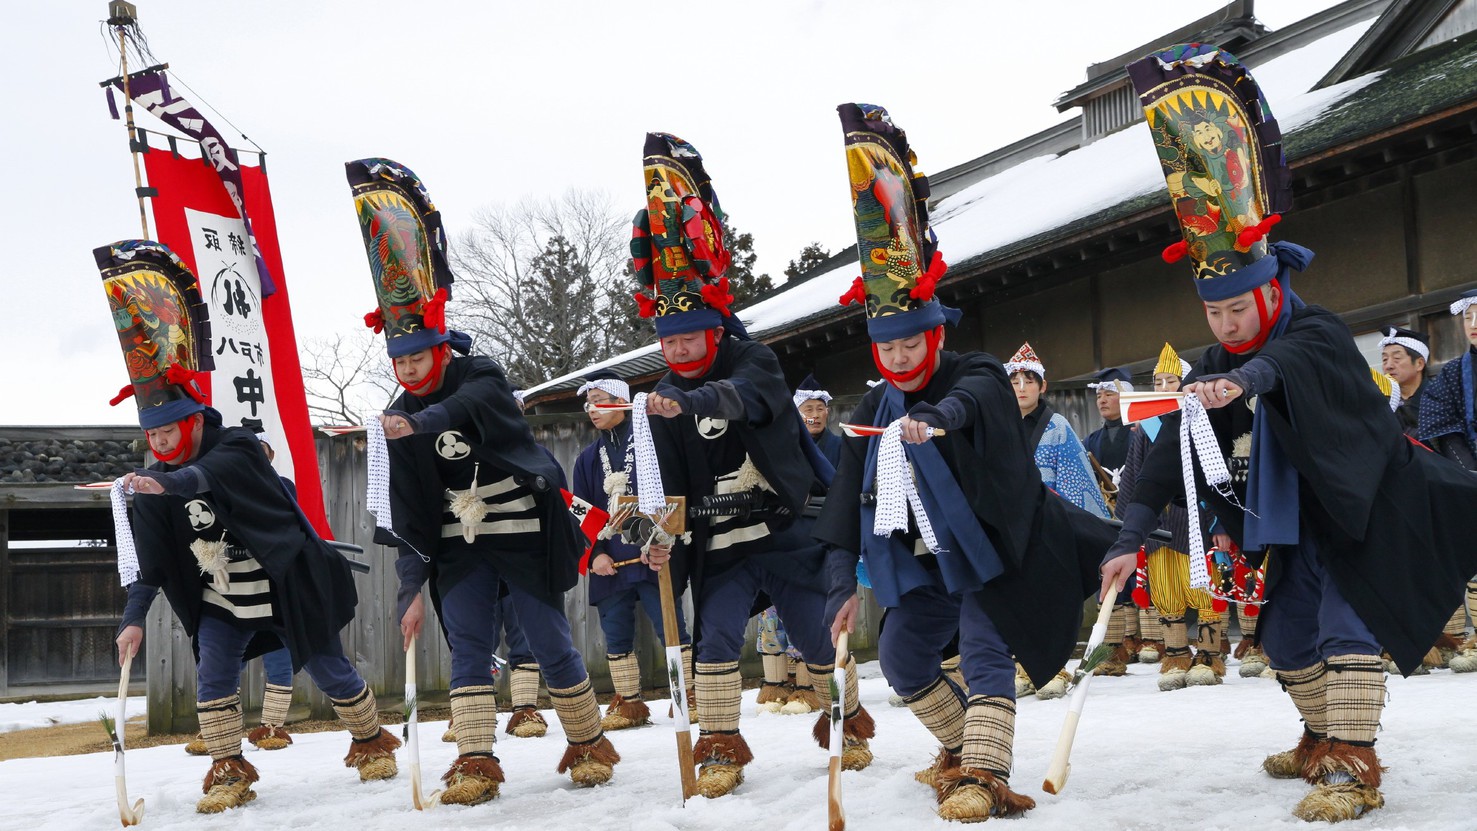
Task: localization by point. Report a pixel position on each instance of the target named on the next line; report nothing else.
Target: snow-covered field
(32, 714)
(1143, 760)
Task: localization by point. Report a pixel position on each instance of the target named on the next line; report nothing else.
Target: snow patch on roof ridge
(583, 371)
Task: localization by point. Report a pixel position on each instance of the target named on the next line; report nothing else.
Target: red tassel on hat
(1176, 252)
(123, 394)
(1141, 581)
(929, 279)
(184, 378)
(717, 296)
(645, 306)
(434, 312)
(375, 320)
(857, 294)
(1250, 236)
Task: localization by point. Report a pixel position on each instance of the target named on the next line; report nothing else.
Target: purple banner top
(151, 90)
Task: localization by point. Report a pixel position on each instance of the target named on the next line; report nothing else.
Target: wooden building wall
(60, 603)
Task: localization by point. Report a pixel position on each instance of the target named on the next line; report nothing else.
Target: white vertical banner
(241, 385)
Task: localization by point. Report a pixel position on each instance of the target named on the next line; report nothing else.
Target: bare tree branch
(347, 378)
(542, 284)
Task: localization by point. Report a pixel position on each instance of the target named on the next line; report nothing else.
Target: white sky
(493, 101)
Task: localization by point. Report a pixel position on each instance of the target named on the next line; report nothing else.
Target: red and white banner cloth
(257, 380)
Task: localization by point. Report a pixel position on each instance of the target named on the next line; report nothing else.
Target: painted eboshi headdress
(1025, 360)
(1171, 363)
(900, 261)
(678, 250)
(407, 257)
(1221, 153)
(163, 326)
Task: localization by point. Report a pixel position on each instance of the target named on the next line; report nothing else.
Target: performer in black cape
(216, 530)
(958, 532)
(729, 430)
(474, 500)
(1328, 465)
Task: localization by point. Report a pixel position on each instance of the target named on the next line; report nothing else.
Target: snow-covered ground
(1143, 760)
(32, 714)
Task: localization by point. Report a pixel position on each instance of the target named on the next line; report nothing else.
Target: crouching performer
(1286, 394)
(945, 504)
(731, 441)
(474, 501)
(215, 529)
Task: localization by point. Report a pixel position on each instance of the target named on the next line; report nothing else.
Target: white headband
(1409, 343)
(1111, 386)
(614, 386)
(1012, 367)
(802, 396)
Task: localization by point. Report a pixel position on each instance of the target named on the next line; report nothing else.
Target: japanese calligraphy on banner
(241, 384)
(257, 381)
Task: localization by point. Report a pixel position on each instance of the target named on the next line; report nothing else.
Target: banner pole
(119, 24)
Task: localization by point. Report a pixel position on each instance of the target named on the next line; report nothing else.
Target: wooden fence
(373, 642)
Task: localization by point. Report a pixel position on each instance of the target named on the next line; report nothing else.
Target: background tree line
(543, 286)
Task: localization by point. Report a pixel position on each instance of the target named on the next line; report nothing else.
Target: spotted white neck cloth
(377, 488)
(897, 492)
(651, 495)
(1198, 439)
(128, 570)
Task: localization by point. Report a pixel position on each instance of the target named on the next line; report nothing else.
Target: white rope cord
(897, 492)
(651, 494)
(128, 570)
(377, 487)
(1197, 439)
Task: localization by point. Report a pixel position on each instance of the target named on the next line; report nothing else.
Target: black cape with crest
(1390, 520)
(480, 403)
(313, 591)
(1051, 548)
(772, 434)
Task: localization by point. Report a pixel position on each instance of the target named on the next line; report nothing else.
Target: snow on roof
(1053, 191)
(1050, 192)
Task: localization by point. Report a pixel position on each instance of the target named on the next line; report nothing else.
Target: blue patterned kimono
(1065, 469)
